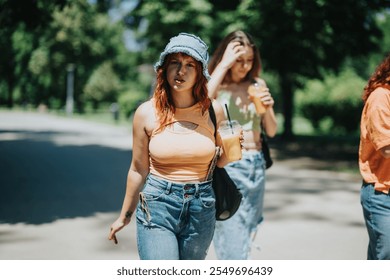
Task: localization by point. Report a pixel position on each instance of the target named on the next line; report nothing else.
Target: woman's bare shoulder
(145, 109)
(145, 116)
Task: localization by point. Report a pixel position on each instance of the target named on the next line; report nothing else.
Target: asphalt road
(62, 183)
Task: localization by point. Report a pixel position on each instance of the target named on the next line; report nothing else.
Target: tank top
(183, 155)
(244, 113)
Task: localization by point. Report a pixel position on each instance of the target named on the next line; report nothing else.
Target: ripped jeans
(233, 237)
(175, 221)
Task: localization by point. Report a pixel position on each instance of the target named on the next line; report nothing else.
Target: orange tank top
(183, 154)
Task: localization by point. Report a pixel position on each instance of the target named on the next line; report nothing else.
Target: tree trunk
(288, 106)
(10, 98)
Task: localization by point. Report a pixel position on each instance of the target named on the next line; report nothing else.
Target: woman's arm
(138, 170)
(269, 122)
(269, 119)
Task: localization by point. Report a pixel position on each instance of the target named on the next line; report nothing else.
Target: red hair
(380, 78)
(162, 95)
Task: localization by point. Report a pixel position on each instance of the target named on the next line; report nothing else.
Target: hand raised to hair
(232, 52)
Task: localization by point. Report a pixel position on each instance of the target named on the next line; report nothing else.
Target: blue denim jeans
(233, 237)
(175, 221)
(376, 211)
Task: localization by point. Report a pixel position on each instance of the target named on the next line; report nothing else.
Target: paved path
(62, 183)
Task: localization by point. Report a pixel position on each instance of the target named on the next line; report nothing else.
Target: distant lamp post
(69, 89)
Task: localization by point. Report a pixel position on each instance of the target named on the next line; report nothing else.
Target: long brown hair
(380, 78)
(163, 101)
(245, 39)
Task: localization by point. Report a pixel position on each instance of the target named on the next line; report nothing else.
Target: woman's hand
(117, 226)
(232, 52)
(242, 139)
(265, 97)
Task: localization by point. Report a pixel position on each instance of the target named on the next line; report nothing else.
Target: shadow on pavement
(326, 152)
(42, 181)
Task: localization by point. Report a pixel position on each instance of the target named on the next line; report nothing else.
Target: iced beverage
(254, 90)
(230, 135)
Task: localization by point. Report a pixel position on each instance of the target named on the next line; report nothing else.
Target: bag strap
(217, 149)
(263, 134)
(213, 118)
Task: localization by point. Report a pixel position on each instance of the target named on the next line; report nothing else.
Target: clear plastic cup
(254, 91)
(230, 134)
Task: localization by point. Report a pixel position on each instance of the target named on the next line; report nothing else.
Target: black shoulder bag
(265, 149)
(227, 196)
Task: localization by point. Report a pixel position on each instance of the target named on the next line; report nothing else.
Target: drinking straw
(228, 115)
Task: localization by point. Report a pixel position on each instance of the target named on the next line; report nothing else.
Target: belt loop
(196, 189)
(169, 187)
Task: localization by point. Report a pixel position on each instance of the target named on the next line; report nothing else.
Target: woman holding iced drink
(173, 146)
(235, 70)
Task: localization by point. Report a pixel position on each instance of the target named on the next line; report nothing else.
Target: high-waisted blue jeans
(376, 211)
(233, 237)
(175, 221)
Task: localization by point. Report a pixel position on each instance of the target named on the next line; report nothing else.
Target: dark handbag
(227, 196)
(265, 150)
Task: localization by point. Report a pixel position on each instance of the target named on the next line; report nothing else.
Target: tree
(297, 38)
(300, 38)
(308, 36)
(18, 24)
(164, 19)
(39, 40)
(81, 36)
(103, 85)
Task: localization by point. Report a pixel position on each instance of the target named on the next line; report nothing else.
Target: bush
(137, 90)
(131, 99)
(102, 85)
(336, 99)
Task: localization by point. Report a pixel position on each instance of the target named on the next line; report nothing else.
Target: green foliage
(81, 36)
(131, 99)
(49, 37)
(103, 85)
(296, 39)
(332, 105)
(137, 90)
(165, 19)
(273, 84)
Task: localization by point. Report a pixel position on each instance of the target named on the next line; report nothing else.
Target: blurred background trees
(316, 54)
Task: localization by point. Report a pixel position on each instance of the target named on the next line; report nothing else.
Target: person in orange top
(374, 161)
(173, 146)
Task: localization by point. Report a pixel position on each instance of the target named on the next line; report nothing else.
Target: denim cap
(188, 44)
